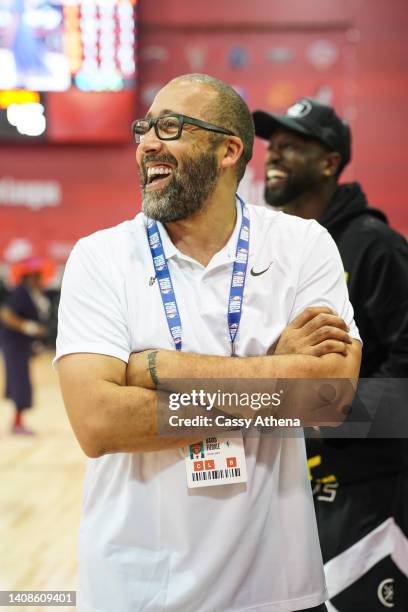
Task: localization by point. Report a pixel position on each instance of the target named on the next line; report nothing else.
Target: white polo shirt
(147, 543)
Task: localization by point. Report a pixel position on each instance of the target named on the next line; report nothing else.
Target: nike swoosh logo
(253, 273)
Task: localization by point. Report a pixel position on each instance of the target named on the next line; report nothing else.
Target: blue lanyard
(238, 279)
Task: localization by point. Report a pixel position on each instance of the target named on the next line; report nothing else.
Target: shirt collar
(226, 254)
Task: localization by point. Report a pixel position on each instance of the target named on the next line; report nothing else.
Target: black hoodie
(375, 259)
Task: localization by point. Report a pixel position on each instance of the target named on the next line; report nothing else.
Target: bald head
(223, 106)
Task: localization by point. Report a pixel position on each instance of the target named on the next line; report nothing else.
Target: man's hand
(25, 326)
(33, 329)
(317, 331)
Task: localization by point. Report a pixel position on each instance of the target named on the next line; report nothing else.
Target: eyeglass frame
(184, 119)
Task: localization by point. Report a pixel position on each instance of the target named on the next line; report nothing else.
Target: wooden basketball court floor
(41, 479)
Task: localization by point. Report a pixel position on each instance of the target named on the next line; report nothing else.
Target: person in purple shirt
(23, 315)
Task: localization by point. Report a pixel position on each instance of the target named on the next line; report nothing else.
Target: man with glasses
(170, 196)
(194, 281)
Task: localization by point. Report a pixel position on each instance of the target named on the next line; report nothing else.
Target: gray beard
(186, 193)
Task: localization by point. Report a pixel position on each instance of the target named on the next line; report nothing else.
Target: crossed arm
(112, 406)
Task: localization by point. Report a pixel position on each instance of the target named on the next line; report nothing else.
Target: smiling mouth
(275, 177)
(158, 177)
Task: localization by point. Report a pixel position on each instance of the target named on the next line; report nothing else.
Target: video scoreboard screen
(63, 61)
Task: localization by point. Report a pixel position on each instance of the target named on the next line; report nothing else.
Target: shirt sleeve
(322, 279)
(92, 315)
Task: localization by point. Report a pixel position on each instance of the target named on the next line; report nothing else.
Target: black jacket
(375, 259)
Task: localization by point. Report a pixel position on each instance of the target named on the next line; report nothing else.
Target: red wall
(353, 53)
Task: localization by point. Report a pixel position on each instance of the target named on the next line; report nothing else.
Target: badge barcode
(216, 474)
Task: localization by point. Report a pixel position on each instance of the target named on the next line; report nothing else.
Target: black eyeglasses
(170, 126)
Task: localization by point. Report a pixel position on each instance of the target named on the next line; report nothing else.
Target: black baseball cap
(310, 118)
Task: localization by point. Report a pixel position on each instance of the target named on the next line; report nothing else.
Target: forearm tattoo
(151, 360)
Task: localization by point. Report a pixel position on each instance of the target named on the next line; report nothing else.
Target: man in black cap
(360, 486)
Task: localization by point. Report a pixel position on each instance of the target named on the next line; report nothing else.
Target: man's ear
(231, 151)
(331, 163)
